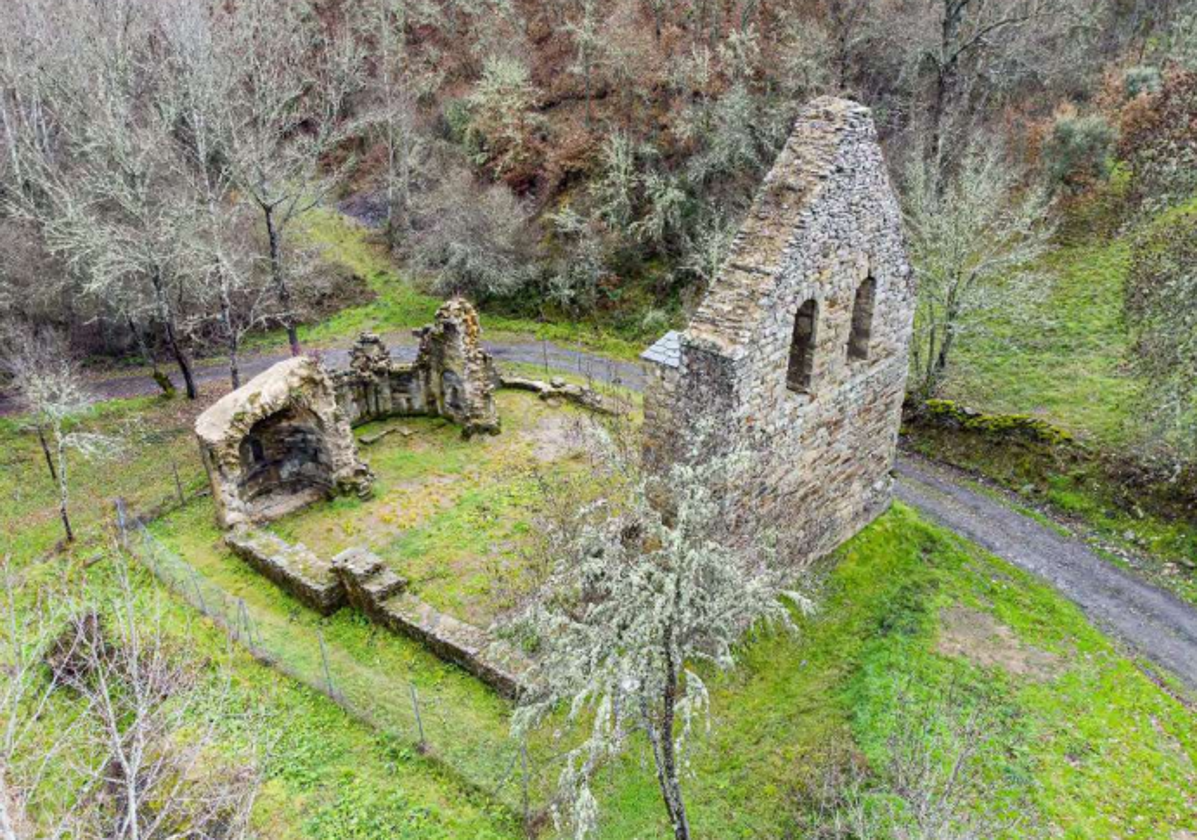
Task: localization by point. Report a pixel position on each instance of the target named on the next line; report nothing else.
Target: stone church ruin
(798, 351)
(284, 439)
(277, 443)
(452, 376)
(800, 346)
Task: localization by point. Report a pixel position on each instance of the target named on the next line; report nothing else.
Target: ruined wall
(772, 356)
(278, 442)
(452, 376)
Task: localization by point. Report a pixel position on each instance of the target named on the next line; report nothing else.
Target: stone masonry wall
(823, 223)
(452, 376)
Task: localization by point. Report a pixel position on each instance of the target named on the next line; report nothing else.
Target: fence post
(324, 659)
(198, 592)
(120, 522)
(178, 484)
(524, 780)
(415, 705)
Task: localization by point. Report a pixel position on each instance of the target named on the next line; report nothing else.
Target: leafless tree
(286, 112)
(972, 241)
(111, 728)
(48, 383)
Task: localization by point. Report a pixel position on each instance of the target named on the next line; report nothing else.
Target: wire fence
(473, 745)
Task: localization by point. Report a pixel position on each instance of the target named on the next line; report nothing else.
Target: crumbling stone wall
(278, 442)
(452, 377)
(801, 344)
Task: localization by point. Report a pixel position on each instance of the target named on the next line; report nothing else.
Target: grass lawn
(1080, 742)
(449, 514)
(1064, 359)
(329, 775)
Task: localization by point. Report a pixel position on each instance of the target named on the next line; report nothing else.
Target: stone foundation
(293, 568)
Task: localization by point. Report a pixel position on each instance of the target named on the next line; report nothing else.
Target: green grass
(1075, 488)
(1064, 358)
(451, 515)
(330, 776)
(1096, 749)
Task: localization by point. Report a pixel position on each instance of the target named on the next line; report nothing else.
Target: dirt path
(1154, 622)
(1157, 624)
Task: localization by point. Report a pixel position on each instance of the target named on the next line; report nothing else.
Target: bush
(1139, 80)
(475, 238)
(503, 123)
(1079, 151)
(1159, 142)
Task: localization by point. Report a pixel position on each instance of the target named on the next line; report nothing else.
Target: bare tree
(972, 243)
(932, 785)
(102, 187)
(391, 117)
(52, 391)
(645, 581)
(198, 85)
(136, 724)
(285, 114)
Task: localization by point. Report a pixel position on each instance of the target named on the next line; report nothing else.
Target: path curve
(1157, 624)
(1150, 619)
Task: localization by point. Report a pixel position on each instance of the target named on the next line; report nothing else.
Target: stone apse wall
(452, 376)
(277, 443)
(800, 346)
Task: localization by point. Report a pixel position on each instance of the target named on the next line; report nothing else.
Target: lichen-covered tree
(650, 582)
(53, 393)
(972, 241)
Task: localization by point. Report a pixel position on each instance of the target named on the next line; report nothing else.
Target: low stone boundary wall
(381, 594)
(293, 567)
(558, 388)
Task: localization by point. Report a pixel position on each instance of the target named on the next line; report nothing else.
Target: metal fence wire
(480, 753)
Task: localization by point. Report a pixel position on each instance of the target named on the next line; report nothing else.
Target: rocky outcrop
(294, 568)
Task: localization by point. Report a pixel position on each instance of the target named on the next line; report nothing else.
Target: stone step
(367, 580)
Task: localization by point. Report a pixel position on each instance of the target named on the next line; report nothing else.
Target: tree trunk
(143, 347)
(230, 332)
(172, 337)
(63, 489)
(661, 739)
(41, 436)
(280, 282)
(8, 830)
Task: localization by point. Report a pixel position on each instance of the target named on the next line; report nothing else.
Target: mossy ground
(452, 515)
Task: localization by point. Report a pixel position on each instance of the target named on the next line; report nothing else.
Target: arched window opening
(862, 320)
(802, 348)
